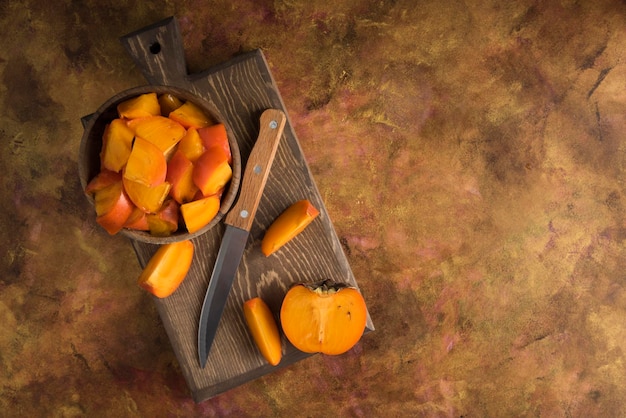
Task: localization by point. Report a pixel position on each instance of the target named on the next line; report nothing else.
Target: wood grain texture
(241, 89)
(257, 169)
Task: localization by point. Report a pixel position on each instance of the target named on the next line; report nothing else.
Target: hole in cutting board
(155, 48)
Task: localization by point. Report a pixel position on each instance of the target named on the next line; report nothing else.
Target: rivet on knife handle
(257, 169)
(238, 224)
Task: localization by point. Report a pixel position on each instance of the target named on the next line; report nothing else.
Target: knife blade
(238, 224)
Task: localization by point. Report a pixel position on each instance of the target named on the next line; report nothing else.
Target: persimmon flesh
(146, 164)
(103, 179)
(288, 224)
(191, 145)
(323, 317)
(149, 199)
(117, 143)
(264, 329)
(165, 221)
(141, 106)
(163, 132)
(180, 176)
(167, 268)
(137, 220)
(168, 103)
(200, 212)
(216, 136)
(211, 171)
(190, 115)
(113, 207)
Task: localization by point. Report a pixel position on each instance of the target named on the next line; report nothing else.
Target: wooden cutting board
(241, 89)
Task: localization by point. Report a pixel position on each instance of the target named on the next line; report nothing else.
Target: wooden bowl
(91, 144)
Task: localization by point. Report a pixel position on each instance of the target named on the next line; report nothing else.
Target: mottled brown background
(471, 157)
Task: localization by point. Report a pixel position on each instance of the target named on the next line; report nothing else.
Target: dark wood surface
(242, 89)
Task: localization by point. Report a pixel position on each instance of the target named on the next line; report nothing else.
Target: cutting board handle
(158, 52)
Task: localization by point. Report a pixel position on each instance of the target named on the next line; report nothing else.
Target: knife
(238, 224)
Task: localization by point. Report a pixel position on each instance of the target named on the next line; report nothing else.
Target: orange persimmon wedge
(180, 176)
(148, 199)
(190, 116)
(169, 103)
(113, 207)
(191, 145)
(165, 220)
(146, 164)
(264, 329)
(216, 136)
(116, 145)
(167, 268)
(289, 224)
(137, 220)
(103, 179)
(198, 213)
(163, 132)
(211, 171)
(139, 107)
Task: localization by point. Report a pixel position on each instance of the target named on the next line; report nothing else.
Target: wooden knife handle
(241, 215)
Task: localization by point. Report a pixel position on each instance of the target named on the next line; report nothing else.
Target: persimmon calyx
(325, 287)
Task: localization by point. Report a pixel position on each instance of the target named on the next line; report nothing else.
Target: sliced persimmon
(139, 107)
(216, 136)
(264, 329)
(117, 142)
(103, 179)
(190, 116)
(163, 132)
(191, 145)
(146, 164)
(165, 221)
(289, 224)
(113, 207)
(167, 268)
(180, 176)
(137, 220)
(211, 171)
(199, 213)
(169, 103)
(148, 199)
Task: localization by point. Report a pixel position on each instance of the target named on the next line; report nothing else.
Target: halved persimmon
(323, 317)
